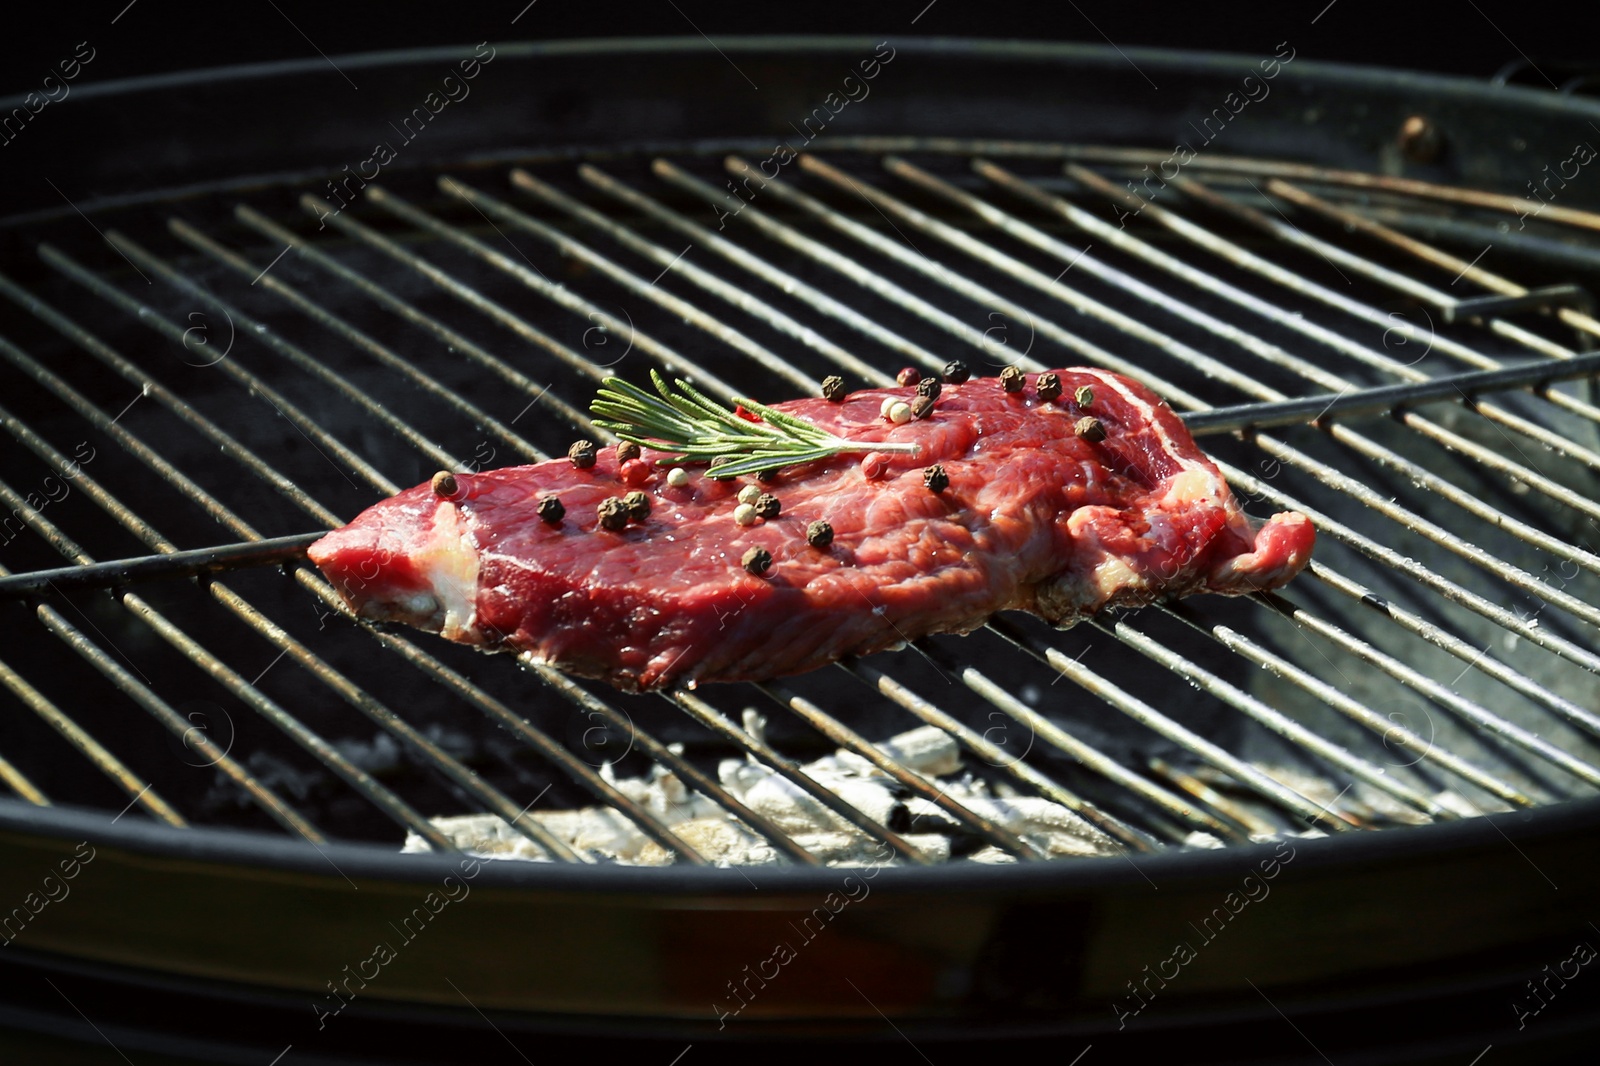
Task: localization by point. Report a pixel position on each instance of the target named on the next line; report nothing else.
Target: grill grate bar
(1272, 353)
(456, 342)
(712, 719)
(703, 279)
(1389, 730)
(663, 754)
(1416, 571)
(18, 782)
(141, 792)
(373, 347)
(850, 740)
(305, 737)
(1263, 784)
(921, 222)
(995, 756)
(495, 208)
(180, 726)
(1460, 268)
(1059, 738)
(1272, 719)
(818, 252)
(1484, 720)
(301, 359)
(1469, 653)
(149, 386)
(779, 279)
(1374, 316)
(670, 360)
(1239, 166)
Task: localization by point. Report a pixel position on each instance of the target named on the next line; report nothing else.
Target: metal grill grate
(247, 372)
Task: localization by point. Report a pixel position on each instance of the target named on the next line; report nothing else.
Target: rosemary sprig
(697, 429)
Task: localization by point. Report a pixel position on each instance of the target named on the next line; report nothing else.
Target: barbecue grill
(215, 347)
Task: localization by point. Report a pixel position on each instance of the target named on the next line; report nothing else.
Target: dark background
(1474, 38)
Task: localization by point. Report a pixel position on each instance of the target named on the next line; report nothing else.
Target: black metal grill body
(1401, 919)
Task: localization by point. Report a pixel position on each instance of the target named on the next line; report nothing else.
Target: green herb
(690, 426)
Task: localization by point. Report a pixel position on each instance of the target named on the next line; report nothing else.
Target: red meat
(1035, 517)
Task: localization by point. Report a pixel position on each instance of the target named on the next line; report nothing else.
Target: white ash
(606, 835)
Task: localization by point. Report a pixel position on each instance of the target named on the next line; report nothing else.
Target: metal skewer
(1379, 399)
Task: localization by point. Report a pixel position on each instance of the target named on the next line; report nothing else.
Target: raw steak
(1036, 517)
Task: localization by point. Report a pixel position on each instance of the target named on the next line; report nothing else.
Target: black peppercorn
(833, 388)
(582, 454)
(613, 514)
(1090, 429)
(1048, 386)
(956, 372)
(767, 506)
(551, 510)
(819, 534)
(1011, 379)
(935, 478)
(757, 560)
(928, 387)
(638, 505)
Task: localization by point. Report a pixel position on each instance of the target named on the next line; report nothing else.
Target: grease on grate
(606, 834)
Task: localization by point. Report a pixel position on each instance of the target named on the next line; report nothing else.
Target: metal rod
(671, 361)
(740, 298)
(454, 342)
(1419, 572)
(1117, 831)
(1380, 399)
(141, 792)
(119, 572)
(18, 782)
(380, 352)
(1386, 728)
(663, 754)
(848, 739)
(782, 280)
(1272, 719)
(712, 719)
(1252, 167)
(652, 291)
(1113, 694)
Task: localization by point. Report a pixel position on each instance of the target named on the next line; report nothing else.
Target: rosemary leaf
(692, 427)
